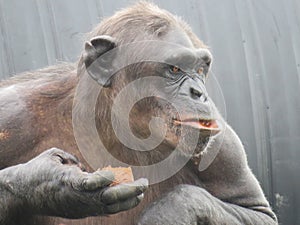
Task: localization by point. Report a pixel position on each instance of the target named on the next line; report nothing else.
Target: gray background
(256, 48)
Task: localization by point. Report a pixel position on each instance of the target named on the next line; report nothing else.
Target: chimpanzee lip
(201, 124)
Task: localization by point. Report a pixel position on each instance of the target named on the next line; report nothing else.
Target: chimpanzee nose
(206, 59)
(205, 55)
(196, 94)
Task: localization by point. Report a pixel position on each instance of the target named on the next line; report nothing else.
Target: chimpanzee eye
(200, 70)
(175, 69)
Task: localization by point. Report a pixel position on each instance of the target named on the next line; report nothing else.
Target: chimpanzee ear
(98, 65)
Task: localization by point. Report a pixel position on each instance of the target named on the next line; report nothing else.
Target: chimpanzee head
(150, 65)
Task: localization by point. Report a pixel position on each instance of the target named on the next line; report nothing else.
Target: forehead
(173, 48)
(179, 37)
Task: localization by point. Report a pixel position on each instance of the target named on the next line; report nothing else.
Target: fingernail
(140, 197)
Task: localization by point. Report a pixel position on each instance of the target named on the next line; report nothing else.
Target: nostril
(195, 94)
(206, 57)
(207, 60)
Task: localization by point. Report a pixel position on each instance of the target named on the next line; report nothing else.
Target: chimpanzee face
(179, 98)
(169, 86)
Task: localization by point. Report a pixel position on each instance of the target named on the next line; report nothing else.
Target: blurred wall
(255, 79)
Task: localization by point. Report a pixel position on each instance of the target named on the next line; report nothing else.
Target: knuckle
(80, 184)
(110, 195)
(51, 152)
(64, 157)
(54, 151)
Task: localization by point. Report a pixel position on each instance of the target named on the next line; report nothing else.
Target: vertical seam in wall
(58, 52)
(293, 41)
(297, 8)
(254, 104)
(38, 6)
(202, 17)
(265, 113)
(7, 44)
(100, 10)
(256, 110)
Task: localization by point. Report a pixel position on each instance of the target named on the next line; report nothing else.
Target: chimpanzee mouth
(210, 125)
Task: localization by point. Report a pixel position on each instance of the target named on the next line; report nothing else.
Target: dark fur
(43, 116)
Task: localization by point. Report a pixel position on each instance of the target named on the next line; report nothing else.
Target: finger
(122, 192)
(62, 156)
(97, 180)
(125, 205)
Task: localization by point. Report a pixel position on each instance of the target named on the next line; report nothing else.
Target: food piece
(122, 174)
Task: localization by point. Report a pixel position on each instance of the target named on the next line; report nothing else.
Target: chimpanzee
(41, 182)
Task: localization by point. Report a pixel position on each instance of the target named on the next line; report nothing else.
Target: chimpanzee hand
(53, 184)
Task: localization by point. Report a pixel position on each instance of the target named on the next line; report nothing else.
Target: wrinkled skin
(52, 189)
(230, 200)
(188, 204)
(46, 183)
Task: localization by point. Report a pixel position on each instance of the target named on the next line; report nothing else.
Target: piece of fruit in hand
(122, 174)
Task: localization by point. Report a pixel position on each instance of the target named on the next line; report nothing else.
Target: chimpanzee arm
(232, 195)
(9, 205)
(53, 184)
(192, 205)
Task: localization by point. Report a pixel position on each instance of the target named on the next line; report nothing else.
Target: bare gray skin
(53, 184)
(230, 194)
